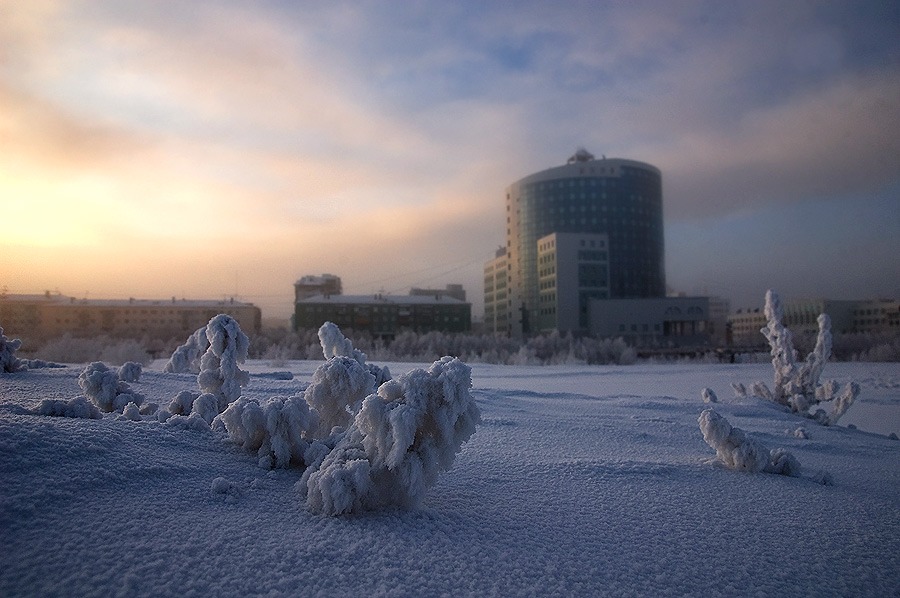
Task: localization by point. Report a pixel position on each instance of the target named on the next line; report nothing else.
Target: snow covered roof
(390, 299)
(57, 298)
(312, 279)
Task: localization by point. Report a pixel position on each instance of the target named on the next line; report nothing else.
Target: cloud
(833, 142)
(376, 141)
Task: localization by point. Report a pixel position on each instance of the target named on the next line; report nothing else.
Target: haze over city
(210, 149)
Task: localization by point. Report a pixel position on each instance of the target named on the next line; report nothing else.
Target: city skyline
(205, 150)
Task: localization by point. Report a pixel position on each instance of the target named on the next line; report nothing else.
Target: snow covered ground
(580, 480)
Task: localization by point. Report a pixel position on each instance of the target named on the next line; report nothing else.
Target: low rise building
(53, 315)
(312, 285)
(385, 316)
(871, 316)
(657, 322)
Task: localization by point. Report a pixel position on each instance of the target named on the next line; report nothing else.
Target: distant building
(52, 315)
(452, 290)
(876, 316)
(496, 293)
(573, 269)
(659, 322)
(801, 317)
(385, 315)
(614, 200)
(311, 285)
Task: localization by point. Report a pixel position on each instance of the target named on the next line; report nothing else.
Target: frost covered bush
(9, 363)
(183, 402)
(335, 344)
(336, 392)
(796, 383)
(362, 450)
(709, 396)
(219, 372)
(186, 358)
(736, 450)
(103, 386)
(78, 407)
(276, 429)
(187, 403)
(400, 440)
(552, 348)
(131, 412)
(130, 371)
(219, 377)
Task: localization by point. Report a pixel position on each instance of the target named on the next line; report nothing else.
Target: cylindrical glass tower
(619, 198)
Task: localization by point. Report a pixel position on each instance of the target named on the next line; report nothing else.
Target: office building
(614, 201)
(867, 316)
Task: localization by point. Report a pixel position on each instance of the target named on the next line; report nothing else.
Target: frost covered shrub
(736, 450)
(207, 406)
(130, 371)
(219, 372)
(183, 403)
(336, 392)
(131, 412)
(335, 344)
(276, 429)
(709, 396)
(78, 407)
(400, 440)
(796, 384)
(103, 386)
(186, 358)
(9, 363)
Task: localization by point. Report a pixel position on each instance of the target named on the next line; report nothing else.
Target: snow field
(578, 481)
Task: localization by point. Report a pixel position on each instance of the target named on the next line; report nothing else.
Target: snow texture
(735, 449)
(102, 386)
(186, 358)
(580, 481)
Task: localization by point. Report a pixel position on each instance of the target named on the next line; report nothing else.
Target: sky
(225, 149)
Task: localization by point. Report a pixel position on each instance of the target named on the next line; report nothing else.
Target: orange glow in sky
(211, 149)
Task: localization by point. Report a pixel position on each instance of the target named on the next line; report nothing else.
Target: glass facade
(619, 198)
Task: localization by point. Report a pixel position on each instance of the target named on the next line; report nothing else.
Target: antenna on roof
(581, 155)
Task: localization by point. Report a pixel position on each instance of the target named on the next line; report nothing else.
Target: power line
(445, 273)
(460, 266)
